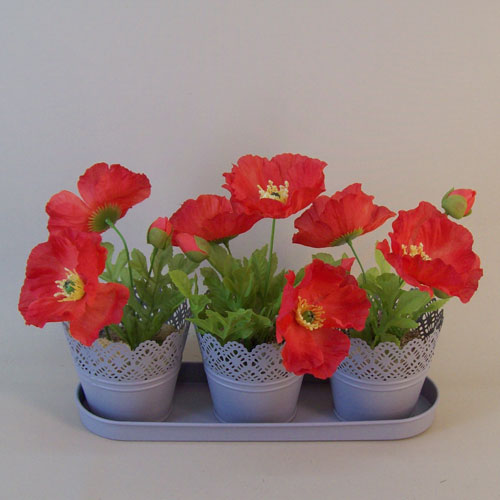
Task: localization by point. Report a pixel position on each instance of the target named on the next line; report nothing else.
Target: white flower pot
(138, 385)
(384, 383)
(249, 386)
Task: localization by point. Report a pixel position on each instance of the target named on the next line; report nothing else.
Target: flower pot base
(193, 418)
(249, 386)
(356, 399)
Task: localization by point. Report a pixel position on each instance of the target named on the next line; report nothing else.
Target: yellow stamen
(309, 316)
(278, 193)
(415, 250)
(71, 287)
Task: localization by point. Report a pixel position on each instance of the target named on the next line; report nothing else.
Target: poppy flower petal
(319, 352)
(103, 185)
(211, 217)
(335, 220)
(65, 209)
(104, 308)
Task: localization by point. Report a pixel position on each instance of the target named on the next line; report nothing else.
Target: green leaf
(299, 276)
(181, 281)
(433, 305)
(327, 258)
(258, 264)
(235, 325)
(406, 323)
(218, 257)
(382, 264)
(389, 337)
(198, 304)
(411, 301)
(139, 263)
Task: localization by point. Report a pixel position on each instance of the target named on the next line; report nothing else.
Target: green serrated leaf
(434, 305)
(382, 264)
(181, 281)
(139, 263)
(411, 301)
(406, 323)
(327, 258)
(389, 337)
(299, 276)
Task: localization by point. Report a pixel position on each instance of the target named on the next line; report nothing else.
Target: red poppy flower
(430, 251)
(458, 202)
(275, 188)
(107, 191)
(210, 216)
(332, 221)
(311, 315)
(62, 285)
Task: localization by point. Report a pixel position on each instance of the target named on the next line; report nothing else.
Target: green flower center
(347, 237)
(71, 287)
(97, 221)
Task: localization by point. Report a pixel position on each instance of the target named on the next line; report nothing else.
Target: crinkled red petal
(318, 352)
(113, 185)
(330, 220)
(65, 209)
(105, 308)
(212, 217)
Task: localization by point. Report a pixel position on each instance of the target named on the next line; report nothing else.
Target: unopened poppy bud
(192, 246)
(160, 233)
(457, 203)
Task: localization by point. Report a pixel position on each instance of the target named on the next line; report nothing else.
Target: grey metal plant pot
(384, 383)
(126, 385)
(249, 386)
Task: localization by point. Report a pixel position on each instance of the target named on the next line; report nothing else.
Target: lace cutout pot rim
(117, 361)
(232, 360)
(387, 361)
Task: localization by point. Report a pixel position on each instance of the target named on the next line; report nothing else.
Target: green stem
(226, 244)
(349, 242)
(153, 257)
(271, 246)
(112, 226)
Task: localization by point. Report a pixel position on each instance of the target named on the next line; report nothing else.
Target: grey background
(401, 96)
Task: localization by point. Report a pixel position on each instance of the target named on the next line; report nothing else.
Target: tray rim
(194, 431)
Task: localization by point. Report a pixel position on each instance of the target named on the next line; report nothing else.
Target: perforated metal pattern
(116, 361)
(390, 362)
(262, 364)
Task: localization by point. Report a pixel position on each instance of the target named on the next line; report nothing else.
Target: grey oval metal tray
(192, 418)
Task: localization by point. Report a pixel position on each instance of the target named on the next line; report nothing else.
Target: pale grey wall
(402, 96)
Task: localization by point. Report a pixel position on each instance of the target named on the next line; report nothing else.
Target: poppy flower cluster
(328, 299)
(311, 311)
(427, 250)
(62, 274)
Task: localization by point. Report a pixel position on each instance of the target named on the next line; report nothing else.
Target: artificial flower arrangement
(135, 297)
(309, 317)
(248, 300)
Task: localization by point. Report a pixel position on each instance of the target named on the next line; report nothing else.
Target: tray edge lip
(114, 425)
